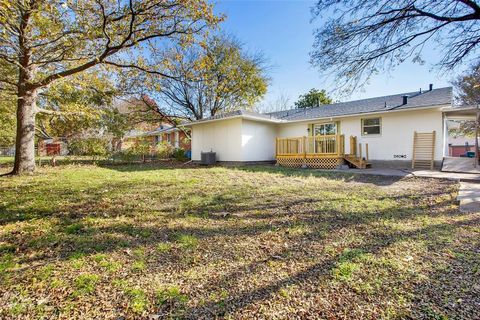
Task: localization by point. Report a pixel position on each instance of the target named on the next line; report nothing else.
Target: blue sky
(283, 32)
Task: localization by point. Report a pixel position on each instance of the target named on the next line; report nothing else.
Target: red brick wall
(185, 143)
(456, 151)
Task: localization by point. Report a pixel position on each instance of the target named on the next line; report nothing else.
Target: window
(371, 126)
(325, 129)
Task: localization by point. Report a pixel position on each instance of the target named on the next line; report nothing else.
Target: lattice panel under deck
(320, 163)
(323, 163)
(290, 162)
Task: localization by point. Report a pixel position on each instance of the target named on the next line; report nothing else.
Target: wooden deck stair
(355, 158)
(358, 162)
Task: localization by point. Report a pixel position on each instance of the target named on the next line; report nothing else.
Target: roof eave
(240, 116)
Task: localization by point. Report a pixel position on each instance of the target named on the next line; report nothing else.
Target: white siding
(247, 140)
(235, 140)
(396, 137)
(223, 137)
(293, 130)
(258, 141)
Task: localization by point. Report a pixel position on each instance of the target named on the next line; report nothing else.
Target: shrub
(125, 156)
(94, 147)
(164, 150)
(140, 148)
(179, 154)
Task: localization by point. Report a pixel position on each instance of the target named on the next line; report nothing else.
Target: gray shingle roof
(236, 113)
(441, 96)
(435, 97)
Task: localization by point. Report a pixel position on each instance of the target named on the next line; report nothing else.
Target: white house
(378, 131)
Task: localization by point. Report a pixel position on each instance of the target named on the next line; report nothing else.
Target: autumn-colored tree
(72, 108)
(7, 119)
(467, 88)
(216, 76)
(43, 41)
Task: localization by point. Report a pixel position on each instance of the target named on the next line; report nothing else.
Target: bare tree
(359, 38)
(213, 77)
(43, 41)
(280, 103)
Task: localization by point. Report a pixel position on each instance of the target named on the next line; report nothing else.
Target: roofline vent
(430, 86)
(405, 99)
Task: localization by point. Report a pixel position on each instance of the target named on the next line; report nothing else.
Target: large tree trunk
(25, 140)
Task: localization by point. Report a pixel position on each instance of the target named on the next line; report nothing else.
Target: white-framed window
(325, 129)
(371, 126)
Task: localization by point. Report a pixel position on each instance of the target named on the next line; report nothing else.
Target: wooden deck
(325, 152)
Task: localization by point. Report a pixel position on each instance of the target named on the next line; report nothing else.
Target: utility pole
(477, 118)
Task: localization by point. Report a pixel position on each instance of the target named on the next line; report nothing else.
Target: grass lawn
(5, 161)
(121, 242)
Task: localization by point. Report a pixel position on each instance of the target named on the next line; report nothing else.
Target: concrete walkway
(469, 196)
(468, 193)
(416, 173)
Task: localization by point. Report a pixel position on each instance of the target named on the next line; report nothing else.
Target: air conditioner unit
(208, 158)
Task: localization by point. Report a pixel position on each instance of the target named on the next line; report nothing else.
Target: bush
(179, 154)
(164, 150)
(95, 147)
(140, 148)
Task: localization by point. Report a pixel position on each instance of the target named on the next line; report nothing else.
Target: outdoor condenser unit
(208, 158)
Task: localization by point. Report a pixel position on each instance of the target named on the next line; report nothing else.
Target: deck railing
(318, 145)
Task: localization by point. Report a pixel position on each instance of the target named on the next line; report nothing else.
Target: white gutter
(240, 116)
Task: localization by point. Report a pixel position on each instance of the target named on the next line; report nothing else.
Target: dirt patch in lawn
(200, 243)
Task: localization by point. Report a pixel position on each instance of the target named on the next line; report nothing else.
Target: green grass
(85, 284)
(170, 294)
(164, 247)
(6, 160)
(138, 300)
(187, 241)
(254, 242)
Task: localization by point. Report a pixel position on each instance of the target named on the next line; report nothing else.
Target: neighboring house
(459, 146)
(458, 143)
(378, 130)
(52, 147)
(173, 136)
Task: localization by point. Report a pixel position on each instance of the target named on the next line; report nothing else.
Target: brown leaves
(164, 241)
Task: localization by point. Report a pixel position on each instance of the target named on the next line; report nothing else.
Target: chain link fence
(7, 151)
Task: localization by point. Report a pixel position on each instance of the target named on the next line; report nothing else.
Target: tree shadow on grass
(150, 166)
(379, 180)
(71, 232)
(429, 295)
(250, 216)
